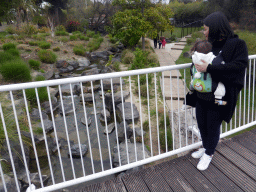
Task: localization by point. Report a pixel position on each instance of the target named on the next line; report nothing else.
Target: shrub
(128, 57)
(73, 37)
(72, 26)
(116, 66)
(8, 46)
(94, 44)
(90, 33)
(34, 64)
(44, 30)
(79, 50)
(47, 56)
(14, 52)
(45, 45)
(169, 139)
(76, 33)
(64, 39)
(5, 56)
(15, 70)
(28, 29)
(152, 58)
(65, 51)
(61, 33)
(42, 92)
(11, 29)
(60, 28)
(56, 49)
(82, 37)
(140, 60)
(33, 43)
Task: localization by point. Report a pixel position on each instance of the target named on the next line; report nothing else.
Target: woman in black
(227, 46)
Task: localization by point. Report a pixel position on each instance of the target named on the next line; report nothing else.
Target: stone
(92, 71)
(131, 153)
(68, 107)
(93, 66)
(117, 99)
(89, 120)
(113, 49)
(121, 131)
(9, 183)
(115, 81)
(75, 151)
(83, 62)
(35, 116)
(108, 117)
(110, 128)
(187, 55)
(61, 63)
(45, 106)
(120, 46)
(89, 90)
(138, 135)
(74, 64)
(87, 97)
(76, 88)
(100, 55)
(127, 111)
(35, 179)
(48, 125)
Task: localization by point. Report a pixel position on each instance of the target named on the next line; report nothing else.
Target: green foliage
(127, 56)
(82, 37)
(42, 92)
(141, 60)
(169, 139)
(8, 46)
(5, 56)
(61, 33)
(116, 66)
(56, 49)
(15, 70)
(64, 39)
(60, 28)
(250, 40)
(94, 44)
(14, 52)
(45, 45)
(145, 125)
(47, 56)
(73, 37)
(34, 64)
(90, 33)
(79, 50)
(33, 43)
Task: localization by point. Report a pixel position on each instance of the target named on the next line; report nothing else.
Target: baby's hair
(202, 47)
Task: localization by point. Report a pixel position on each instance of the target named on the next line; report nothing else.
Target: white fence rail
(43, 123)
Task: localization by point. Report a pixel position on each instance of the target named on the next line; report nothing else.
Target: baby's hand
(202, 67)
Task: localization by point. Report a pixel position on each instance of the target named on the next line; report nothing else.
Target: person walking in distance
(227, 47)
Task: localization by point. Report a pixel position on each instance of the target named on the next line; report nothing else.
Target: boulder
(9, 183)
(87, 97)
(117, 99)
(121, 131)
(35, 116)
(92, 71)
(108, 117)
(48, 125)
(45, 106)
(127, 112)
(110, 128)
(75, 151)
(115, 81)
(89, 120)
(35, 179)
(61, 63)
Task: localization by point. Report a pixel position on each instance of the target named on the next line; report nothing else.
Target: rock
(108, 117)
(127, 112)
(92, 71)
(113, 49)
(89, 120)
(138, 135)
(187, 55)
(65, 89)
(74, 64)
(35, 116)
(61, 63)
(110, 128)
(120, 46)
(131, 153)
(45, 106)
(9, 183)
(117, 99)
(83, 62)
(121, 131)
(93, 66)
(89, 90)
(35, 179)
(99, 55)
(75, 151)
(101, 62)
(115, 81)
(87, 97)
(48, 125)
(68, 107)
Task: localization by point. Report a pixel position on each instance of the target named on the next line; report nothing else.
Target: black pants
(160, 45)
(209, 120)
(155, 43)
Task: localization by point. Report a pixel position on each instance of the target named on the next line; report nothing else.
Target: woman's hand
(203, 67)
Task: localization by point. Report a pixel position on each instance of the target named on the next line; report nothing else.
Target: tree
(136, 18)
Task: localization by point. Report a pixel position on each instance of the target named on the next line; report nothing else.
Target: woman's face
(206, 32)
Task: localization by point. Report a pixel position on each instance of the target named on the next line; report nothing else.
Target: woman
(227, 46)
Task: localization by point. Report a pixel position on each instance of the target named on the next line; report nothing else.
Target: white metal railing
(63, 170)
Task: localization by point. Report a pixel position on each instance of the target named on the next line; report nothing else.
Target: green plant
(94, 44)
(90, 33)
(163, 140)
(14, 52)
(73, 37)
(33, 43)
(5, 56)
(15, 70)
(45, 45)
(61, 33)
(60, 28)
(11, 29)
(79, 50)
(42, 71)
(38, 130)
(34, 64)
(116, 66)
(82, 37)
(47, 56)
(56, 49)
(127, 56)
(145, 125)
(64, 39)
(8, 46)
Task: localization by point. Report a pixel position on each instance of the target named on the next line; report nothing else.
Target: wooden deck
(233, 168)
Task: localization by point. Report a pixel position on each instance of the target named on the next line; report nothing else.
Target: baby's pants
(209, 120)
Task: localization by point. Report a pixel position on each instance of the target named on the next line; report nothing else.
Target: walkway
(233, 168)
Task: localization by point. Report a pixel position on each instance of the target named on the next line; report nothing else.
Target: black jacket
(231, 74)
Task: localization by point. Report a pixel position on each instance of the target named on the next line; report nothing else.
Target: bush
(90, 33)
(33, 43)
(14, 52)
(56, 49)
(5, 56)
(61, 33)
(44, 30)
(45, 45)
(73, 37)
(42, 92)
(152, 58)
(169, 139)
(94, 44)
(15, 70)
(82, 37)
(128, 58)
(64, 39)
(27, 28)
(60, 28)
(47, 56)
(11, 29)
(72, 26)
(8, 46)
(79, 50)
(116, 66)
(34, 64)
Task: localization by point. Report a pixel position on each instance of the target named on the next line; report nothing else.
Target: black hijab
(219, 27)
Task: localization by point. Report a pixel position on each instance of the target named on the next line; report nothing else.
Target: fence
(75, 143)
(188, 28)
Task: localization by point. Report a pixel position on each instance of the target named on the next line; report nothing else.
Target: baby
(202, 51)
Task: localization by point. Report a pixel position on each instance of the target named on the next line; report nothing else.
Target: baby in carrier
(202, 51)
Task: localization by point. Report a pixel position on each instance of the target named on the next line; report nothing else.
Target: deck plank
(233, 173)
(154, 180)
(217, 178)
(173, 177)
(193, 176)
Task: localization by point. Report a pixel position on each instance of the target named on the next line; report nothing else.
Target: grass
(177, 32)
